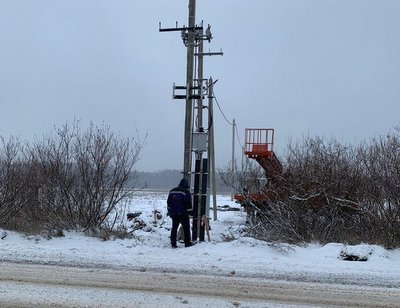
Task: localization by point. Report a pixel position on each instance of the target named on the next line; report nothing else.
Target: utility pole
(197, 140)
(233, 152)
(187, 157)
(211, 148)
(200, 130)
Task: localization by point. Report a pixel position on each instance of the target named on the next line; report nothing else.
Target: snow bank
(228, 252)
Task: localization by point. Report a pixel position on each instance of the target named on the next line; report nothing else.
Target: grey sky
(304, 67)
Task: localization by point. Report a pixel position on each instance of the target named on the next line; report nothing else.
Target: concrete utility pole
(233, 152)
(187, 157)
(200, 129)
(211, 148)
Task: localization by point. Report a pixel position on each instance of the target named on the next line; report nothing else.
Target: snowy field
(227, 254)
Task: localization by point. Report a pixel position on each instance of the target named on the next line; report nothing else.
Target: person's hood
(184, 183)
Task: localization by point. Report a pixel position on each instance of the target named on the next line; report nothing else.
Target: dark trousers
(184, 221)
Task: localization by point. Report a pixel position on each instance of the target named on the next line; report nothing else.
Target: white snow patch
(228, 253)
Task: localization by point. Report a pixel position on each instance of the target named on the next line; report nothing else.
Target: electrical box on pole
(200, 141)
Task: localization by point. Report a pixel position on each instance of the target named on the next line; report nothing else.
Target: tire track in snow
(233, 289)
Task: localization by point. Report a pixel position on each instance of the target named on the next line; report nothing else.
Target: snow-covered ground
(229, 253)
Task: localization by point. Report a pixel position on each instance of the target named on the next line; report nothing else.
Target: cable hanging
(238, 138)
(219, 107)
(226, 119)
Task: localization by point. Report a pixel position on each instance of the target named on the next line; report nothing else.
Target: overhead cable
(226, 119)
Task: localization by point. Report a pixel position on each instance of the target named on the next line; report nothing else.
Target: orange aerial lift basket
(259, 145)
(259, 142)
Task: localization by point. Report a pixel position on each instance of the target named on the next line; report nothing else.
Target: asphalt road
(32, 285)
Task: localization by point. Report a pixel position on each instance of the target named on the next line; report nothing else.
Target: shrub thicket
(70, 180)
(330, 192)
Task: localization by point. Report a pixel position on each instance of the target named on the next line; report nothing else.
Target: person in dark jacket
(179, 205)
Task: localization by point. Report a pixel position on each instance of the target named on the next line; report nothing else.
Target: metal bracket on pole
(215, 53)
(195, 30)
(181, 92)
(183, 28)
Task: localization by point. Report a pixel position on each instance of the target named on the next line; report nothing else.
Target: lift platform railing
(259, 142)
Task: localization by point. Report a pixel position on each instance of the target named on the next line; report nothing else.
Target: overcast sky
(304, 67)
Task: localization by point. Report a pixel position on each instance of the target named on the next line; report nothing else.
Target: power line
(226, 119)
(238, 138)
(219, 107)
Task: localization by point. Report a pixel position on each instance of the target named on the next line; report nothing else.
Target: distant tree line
(164, 180)
(68, 180)
(328, 192)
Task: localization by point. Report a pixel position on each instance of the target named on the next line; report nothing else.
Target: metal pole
(187, 158)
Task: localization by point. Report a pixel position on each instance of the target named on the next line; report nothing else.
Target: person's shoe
(174, 246)
(189, 244)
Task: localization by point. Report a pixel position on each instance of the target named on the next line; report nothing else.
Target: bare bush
(13, 178)
(330, 192)
(382, 199)
(71, 180)
(321, 187)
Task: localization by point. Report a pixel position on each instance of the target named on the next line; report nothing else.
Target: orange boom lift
(259, 145)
